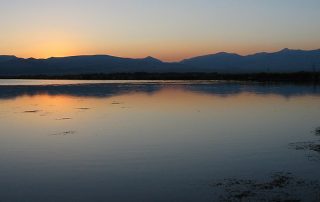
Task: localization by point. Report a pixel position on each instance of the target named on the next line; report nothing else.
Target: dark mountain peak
(224, 53)
(151, 59)
(285, 50)
(258, 54)
(220, 55)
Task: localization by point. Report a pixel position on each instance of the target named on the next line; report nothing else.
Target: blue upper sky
(167, 29)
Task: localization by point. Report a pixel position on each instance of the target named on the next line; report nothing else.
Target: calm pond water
(151, 141)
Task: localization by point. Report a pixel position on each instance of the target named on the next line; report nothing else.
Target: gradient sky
(166, 29)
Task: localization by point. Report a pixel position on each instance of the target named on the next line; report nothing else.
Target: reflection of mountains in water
(109, 90)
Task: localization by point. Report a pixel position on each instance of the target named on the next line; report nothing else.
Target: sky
(170, 30)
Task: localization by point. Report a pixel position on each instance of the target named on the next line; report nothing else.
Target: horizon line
(149, 56)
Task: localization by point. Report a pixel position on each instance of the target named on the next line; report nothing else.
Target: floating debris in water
(283, 186)
(312, 147)
(31, 111)
(70, 132)
(116, 103)
(61, 119)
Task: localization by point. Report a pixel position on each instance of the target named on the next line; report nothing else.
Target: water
(149, 141)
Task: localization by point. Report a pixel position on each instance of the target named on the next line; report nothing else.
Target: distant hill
(283, 61)
(4, 58)
(83, 65)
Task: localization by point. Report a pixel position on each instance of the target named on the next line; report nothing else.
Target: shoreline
(295, 77)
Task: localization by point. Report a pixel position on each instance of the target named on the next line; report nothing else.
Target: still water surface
(149, 141)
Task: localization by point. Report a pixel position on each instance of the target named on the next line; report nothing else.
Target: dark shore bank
(297, 77)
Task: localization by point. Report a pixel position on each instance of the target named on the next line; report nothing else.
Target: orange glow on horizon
(58, 49)
(61, 43)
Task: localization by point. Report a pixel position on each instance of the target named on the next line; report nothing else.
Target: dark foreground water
(158, 141)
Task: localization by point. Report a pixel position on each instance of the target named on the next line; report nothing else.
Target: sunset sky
(167, 29)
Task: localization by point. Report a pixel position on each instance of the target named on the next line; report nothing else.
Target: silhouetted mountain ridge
(285, 60)
(4, 58)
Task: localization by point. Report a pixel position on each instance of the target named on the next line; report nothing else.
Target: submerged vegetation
(317, 131)
(312, 148)
(65, 133)
(281, 187)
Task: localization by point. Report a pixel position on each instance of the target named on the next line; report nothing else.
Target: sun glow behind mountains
(168, 30)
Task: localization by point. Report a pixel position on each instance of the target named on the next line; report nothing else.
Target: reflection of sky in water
(149, 141)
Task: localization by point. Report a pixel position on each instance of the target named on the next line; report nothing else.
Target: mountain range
(282, 61)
